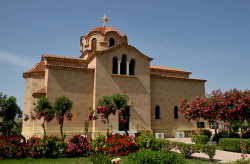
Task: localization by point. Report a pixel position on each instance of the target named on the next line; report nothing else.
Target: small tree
(44, 110)
(107, 106)
(62, 106)
(9, 110)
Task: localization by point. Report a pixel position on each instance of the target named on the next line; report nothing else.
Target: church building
(109, 65)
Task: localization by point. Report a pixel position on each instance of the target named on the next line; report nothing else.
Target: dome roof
(103, 31)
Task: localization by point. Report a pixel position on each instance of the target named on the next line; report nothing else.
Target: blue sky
(209, 38)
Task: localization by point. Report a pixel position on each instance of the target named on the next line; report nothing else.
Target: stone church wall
(167, 93)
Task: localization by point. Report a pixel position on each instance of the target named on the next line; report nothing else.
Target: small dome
(103, 31)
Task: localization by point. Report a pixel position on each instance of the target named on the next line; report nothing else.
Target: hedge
(185, 149)
(200, 139)
(233, 144)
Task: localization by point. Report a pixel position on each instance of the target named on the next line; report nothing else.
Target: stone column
(119, 67)
(127, 67)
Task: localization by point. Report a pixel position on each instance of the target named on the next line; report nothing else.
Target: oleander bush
(155, 157)
(144, 140)
(47, 147)
(12, 147)
(114, 145)
(78, 146)
(200, 139)
(233, 144)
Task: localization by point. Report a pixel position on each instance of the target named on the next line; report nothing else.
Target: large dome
(103, 31)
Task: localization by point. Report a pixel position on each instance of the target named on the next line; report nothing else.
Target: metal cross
(104, 19)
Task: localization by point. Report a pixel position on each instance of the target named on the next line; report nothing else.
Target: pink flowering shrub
(78, 146)
(48, 147)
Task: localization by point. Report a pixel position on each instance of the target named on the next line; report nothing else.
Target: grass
(84, 160)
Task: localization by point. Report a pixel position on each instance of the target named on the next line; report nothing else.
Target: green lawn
(83, 160)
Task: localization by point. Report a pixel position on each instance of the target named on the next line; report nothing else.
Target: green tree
(9, 110)
(62, 106)
(44, 110)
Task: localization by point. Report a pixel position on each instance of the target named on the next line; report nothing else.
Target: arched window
(157, 112)
(93, 44)
(123, 65)
(111, 42)
(175, 112)
(132, 67)
(115, 65)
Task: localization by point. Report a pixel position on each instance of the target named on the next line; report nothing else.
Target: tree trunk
(61, 129)
(215, 128)
(44, 132)
(107, 127)
(19, 130)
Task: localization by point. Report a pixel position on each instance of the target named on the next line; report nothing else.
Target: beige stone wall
(32, 84)
(167, 93)
(78, 86)
(136, 87)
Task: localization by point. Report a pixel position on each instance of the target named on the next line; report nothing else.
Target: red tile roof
(40, 92)
(165, 68)
(39, 67)
(60, 57)
(103, 31)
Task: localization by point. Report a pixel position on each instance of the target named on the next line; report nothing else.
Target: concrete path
(220, 156)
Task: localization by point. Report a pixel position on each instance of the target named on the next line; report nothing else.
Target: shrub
(233, 144)
(188, 149)
(200, 139)
(47, 147)
(161, 144)
(115, 145)
(206, 132)
(78, 146)
(233, 135)
(246, 135)
(155, 157)
(222, 134)
(11, 147)
(144, 140)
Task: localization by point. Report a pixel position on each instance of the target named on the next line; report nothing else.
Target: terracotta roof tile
(72, 67)
(40, 91)
(174, 77)
(103, 31)
(39, 67)
(61, 57)
(165, 68)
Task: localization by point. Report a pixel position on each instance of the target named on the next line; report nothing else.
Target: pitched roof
(40, 91)
(39, 67)
(125, 46)
(164, 68)
(104, 30)
(61, 57)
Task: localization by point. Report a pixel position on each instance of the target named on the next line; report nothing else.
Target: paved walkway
(220, 156)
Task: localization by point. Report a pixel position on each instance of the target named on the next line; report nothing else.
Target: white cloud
(14, 59)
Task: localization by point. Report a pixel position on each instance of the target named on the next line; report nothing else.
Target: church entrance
(124, 115)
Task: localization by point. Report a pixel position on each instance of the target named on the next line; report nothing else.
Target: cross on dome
(104, 19)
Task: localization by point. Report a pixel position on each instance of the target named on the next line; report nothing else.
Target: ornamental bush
(200, 139)
(144, 140)
(220, 135)
(206, 132)
(114, 144)
(155, 157)
(233, 144)
(12, 147)
(161, 144)
(48, 147)
(78, 146)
